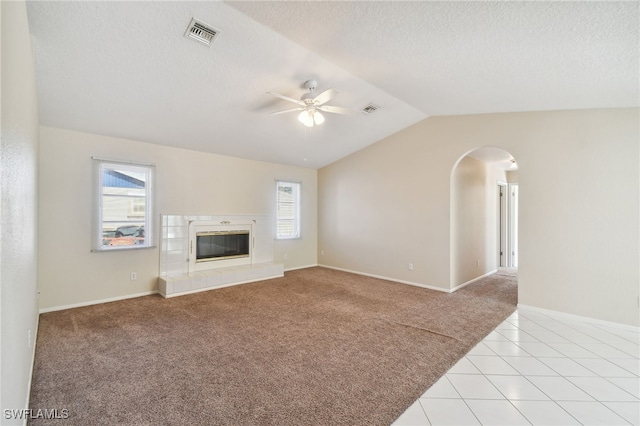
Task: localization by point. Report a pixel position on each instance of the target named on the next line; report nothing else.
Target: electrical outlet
(133, 276)
(478, 263)
(285, 256)
(321, 252)
(411, 266)
(29, 339)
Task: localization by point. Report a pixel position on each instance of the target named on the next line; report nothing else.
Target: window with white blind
(123, 206)
(287, 210)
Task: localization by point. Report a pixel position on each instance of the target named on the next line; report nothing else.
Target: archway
(483, 214)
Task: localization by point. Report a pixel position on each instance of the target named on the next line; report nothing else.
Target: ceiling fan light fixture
(310, 105)
(311, 116)
(306, 118)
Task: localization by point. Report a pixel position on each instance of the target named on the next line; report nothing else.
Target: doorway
(483, 224)
(507, 215)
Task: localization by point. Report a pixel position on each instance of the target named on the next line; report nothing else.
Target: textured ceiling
(449, 58)
(125, 69)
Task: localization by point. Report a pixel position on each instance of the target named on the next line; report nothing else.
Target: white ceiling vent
(370, 109)
(201, 32)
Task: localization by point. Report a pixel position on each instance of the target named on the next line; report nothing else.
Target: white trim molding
(567, 316)
(96, 302)
(295, 268)
(444, 290)
(34, 341)
(458, 287)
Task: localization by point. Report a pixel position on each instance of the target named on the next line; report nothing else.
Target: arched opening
(484, 215)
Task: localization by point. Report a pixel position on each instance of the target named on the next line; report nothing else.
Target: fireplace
(212, 246)
(219, 245)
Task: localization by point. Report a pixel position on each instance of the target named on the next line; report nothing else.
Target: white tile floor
(539, 369)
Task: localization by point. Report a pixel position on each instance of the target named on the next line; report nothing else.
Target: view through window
(124, 205)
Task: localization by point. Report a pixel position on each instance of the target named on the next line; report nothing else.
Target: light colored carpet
(316, 347)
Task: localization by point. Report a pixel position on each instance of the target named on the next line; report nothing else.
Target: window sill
(122, 248)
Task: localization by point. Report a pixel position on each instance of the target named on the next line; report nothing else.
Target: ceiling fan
(311, 105)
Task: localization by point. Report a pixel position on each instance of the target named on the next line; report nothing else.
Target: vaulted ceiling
(125, 69)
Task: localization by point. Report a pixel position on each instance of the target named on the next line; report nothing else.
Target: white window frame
(149, 234)
(297, 191)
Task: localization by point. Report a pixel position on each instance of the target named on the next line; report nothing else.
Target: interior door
(513, 225)
(502, 224)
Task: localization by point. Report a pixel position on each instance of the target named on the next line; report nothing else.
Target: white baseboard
(444, 290)
(96, 302)
(473, 280)
(564, 315)
(301, 267)
(34, 338)
(130, 296)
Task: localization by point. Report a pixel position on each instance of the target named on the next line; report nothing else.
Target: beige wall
(512, 176)
(376, 213)
(469, 231)
(18, 209)
(389, 204)
(474, 219)
(187, 183)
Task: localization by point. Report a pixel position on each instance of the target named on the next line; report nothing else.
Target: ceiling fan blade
(286, 98)
(325, 96)
(337, 110)
(286, 110)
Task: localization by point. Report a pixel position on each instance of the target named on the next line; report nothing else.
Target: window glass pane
(124, 206)
(288, 210)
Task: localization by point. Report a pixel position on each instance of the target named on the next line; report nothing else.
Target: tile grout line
(598, 335)
(601, 403)
(530, 382)
(519, 375)
(597, 356)
(591, 326)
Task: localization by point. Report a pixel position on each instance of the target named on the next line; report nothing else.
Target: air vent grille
(370, 108)
(201, 32)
